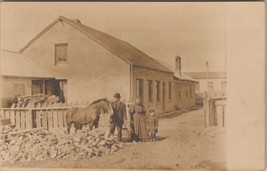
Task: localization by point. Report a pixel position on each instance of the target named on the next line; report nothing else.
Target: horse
(90, 115)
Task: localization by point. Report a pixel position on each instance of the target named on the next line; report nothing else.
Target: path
(184, 144)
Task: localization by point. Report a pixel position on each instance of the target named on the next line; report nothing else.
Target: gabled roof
(119, 48)
(17, 65)
(211, 75)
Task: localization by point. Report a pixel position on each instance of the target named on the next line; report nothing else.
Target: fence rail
(49, 117)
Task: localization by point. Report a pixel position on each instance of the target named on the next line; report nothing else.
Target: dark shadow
(159, 138)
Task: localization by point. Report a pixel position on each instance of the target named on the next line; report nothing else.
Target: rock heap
(40, 144)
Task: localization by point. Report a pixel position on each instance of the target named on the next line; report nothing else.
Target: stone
(53, 152)
(39, 144)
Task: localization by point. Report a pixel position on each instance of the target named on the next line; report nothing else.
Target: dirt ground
(183, 144)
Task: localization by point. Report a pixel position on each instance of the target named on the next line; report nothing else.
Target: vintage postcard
(132, 86)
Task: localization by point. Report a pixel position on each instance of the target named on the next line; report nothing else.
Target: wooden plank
(45, 119)
(64, 117)
(17, 114)
(60, 118)
(223, 116)
(22, 120)
(213, 113)
(55, 118)
(6, 114)
(12, 118)
(50, 119)
(28, 118)
(38, 119)
(1, 113)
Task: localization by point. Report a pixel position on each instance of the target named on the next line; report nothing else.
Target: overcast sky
(194, 31)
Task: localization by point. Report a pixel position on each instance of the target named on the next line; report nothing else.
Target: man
(118, 117)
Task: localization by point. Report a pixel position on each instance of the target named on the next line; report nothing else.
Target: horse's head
(106, 106)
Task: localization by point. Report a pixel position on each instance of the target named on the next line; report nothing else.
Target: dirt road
(183, 144)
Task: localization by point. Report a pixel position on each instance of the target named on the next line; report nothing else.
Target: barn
(84, 64)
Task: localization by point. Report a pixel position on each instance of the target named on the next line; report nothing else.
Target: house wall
(8, 87)
(217, 84)
(148, 74)
(92, 71)
(185, 94)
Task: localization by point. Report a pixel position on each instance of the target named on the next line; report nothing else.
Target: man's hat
(117, 95)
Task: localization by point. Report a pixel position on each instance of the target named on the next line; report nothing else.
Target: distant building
(217, 82)
(82, 64)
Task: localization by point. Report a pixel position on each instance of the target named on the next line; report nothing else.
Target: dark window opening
(150, 90)
(61, 55)
(158, 90)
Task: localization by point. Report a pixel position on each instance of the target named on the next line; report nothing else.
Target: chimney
(178, 67)
(78, 21)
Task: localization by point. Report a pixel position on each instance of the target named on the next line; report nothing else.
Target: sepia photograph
(131, 86)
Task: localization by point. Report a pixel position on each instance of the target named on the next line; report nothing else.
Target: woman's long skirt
(140, 127)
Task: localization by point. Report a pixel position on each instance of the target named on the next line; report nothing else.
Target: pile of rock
(42, 144)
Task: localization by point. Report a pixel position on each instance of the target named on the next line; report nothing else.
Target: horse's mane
(97, 101)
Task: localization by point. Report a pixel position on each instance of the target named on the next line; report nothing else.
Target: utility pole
(207, 75)
(206, 97)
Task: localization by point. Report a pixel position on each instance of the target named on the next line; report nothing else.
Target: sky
(195, 31)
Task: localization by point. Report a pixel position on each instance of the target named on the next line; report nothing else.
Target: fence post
(223, 115)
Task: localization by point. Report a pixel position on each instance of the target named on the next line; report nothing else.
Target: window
(158, 90)
(150, 90)
(61, 55)
(19, 89)
(37, 87)
(170, 90)
(139, 88)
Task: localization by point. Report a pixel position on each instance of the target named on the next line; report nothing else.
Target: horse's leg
(76, 126)
(68, 127)
(91, 125)
(96, 122)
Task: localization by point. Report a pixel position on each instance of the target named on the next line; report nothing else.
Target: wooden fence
(214, 111)
(52, 117)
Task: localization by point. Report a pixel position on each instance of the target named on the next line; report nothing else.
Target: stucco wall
(216, 84)
(8, 88)
(92, 71)
(147, 74)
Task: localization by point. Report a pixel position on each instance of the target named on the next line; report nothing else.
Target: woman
(138, 113)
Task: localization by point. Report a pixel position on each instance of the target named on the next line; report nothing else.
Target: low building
(86, 64)
(215, 82)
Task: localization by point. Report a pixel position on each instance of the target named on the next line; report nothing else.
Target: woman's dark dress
(139, 112)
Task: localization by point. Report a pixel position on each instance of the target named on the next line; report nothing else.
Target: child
(152, 125)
